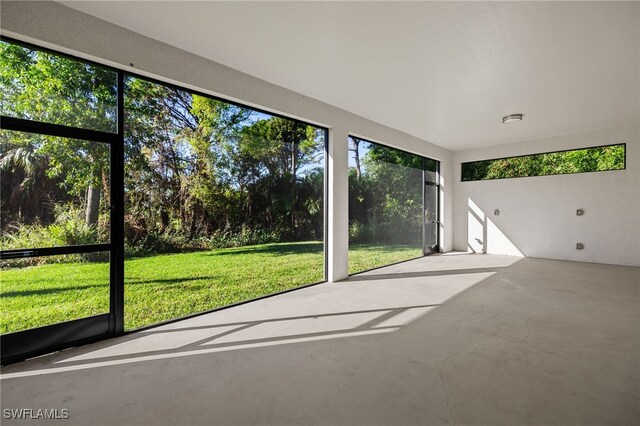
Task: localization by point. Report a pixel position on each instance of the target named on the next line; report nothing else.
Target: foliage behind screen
(41, 86)
(385, 195)
(199, 172)
(598, 159)
(386, 202)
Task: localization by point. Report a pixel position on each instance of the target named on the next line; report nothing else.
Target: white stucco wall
(538, 214)
(55, 26)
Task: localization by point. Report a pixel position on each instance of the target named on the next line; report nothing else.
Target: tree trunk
(192, 226)
(356, 156)
(293, 161)
(93, 205)
(293, 189)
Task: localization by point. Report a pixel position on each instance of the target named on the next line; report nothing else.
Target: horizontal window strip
(584, 160)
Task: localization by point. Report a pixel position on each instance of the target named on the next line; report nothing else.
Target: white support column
(338, 211)
(446, 202)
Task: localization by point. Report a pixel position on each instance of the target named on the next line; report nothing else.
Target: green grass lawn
(162, 287)
(365, 256)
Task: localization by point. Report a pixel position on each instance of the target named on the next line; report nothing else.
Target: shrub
(146, 243)
(362, 232)
(246, 236)
(68, 229)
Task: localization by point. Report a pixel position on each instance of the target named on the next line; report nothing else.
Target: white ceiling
(444, 72)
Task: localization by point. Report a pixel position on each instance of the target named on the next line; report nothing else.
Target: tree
(274, 152)
(24, 182)
(385, 201)
(45, 87)
(355, 148)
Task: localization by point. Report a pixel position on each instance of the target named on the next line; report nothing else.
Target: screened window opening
(127, 202)
(222, 203)
(58, 130)
(393, 205)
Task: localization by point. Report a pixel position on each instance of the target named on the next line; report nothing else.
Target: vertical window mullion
(117, 218)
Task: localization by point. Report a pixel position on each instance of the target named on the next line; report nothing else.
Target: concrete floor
(449, 339)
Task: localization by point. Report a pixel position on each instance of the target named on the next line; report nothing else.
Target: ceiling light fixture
(512, 118)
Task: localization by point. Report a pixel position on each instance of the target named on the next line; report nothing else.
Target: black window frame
(436, 247)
